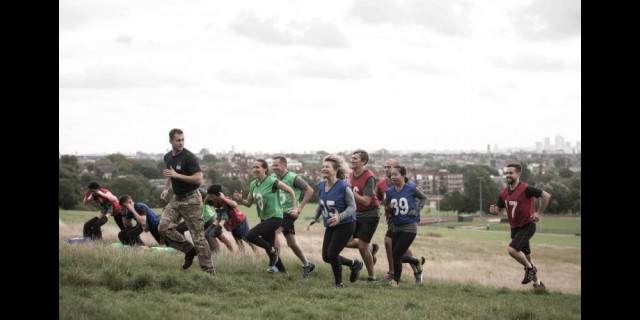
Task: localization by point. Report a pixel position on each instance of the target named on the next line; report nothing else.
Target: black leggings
(92, 227)
(118, 220)
(131, 236)
(400, 242)
(263, 235)
(335, 239)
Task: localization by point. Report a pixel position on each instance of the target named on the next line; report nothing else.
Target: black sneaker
(188, 258)
(539, 286)
(529, 273)
(273, 257)
(355, 270)
(339, 285)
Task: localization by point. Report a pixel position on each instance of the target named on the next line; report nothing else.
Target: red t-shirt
(520, 209)
(358, 186)
(235, 216)
(105, 202)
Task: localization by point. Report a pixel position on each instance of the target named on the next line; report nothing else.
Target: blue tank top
(403, 202)
(333, 201)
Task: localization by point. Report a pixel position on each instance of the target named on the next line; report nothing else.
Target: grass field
(468, 275)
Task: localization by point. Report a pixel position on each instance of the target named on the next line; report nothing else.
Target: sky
(296, 76)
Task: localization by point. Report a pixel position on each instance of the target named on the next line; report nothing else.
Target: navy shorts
(241, 231)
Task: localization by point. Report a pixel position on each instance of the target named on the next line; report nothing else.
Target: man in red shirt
(518, 199)
(364, 187)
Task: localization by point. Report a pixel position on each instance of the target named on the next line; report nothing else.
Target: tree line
(131, 176)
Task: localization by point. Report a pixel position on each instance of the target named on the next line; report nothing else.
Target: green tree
(69, 193)
(561, 199)
(209, 158)
(66, 171)
(88, 177)
(147, 168)
(69, 160)
(477, 178)
(560, 162)
(213, 175)
(135, 186)
(454, 201)
(525, 175)
(565, 173)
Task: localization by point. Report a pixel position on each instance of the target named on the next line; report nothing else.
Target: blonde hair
(341, 167)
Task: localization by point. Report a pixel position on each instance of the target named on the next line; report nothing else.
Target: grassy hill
(468, 275)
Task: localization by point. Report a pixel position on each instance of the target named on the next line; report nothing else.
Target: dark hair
(215, 189)
(174, 132)
(403, 172)
(264, 165)
(516, 166)
(94, 185)
(281, 158)
(364, 156)
(123, 199)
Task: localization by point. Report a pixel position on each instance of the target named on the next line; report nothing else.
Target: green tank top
(268, 202)
(285, 199)
(207, 212)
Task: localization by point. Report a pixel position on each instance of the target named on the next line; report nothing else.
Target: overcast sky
(332, 75)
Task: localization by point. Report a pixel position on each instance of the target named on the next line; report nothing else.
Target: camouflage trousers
(188, 208)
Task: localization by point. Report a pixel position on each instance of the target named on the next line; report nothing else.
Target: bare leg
(226, 242)
(387, 248)
(366, 257)
(291, 242)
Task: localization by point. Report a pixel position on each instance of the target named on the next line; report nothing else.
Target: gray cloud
(236, 77)
(314, 34)
(323, 70)
(322, 34)
(124, 39)
(110, 77)
(550, 19)
(531, 62)
(75, 13)
(445, 17)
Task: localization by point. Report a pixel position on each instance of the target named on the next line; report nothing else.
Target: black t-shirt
(185, 163)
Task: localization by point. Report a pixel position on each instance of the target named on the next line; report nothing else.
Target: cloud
(550, 19)
(123, 39)
(315, 33)
(266, 30)
(531, 62)
(445, 17)
(75, 13)
(327, 71)
(236, 77)
(109, 77)
(422, 68)
(322, 34)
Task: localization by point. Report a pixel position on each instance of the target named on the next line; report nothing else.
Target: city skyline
(296, 76)
(569, 148)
